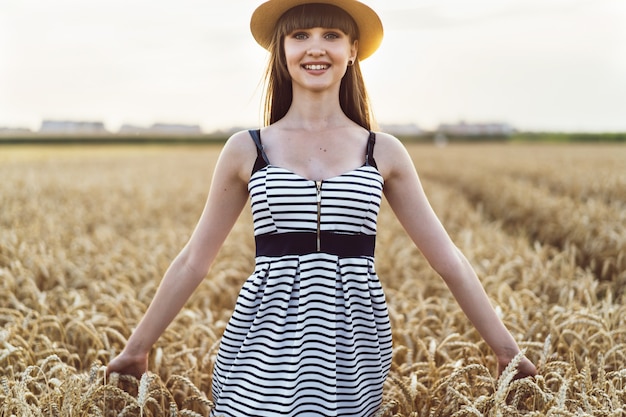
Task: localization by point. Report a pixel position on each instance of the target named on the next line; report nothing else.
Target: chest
(316, 160)
(285, 201)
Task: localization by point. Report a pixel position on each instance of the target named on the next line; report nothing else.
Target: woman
(310, 333)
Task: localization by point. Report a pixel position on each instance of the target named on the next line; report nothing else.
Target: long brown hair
(353, 96)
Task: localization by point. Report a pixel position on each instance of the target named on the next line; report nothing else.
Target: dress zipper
(318, 185)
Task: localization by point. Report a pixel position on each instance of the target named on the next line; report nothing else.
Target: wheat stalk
(69, 301)
(505, 380)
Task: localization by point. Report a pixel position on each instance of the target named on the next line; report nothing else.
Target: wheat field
(87, 232)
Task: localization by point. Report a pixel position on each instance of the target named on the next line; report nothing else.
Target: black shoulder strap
(261, 159)
(369, 154)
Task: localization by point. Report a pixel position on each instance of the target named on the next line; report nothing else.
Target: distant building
(176, 129)
(127, 129)
(14, 130)
(231, 130)
(72, 127)
(409, 129)
(161, 129)
(476, 129)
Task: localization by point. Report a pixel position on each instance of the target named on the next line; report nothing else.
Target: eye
(299, 36)
(332, 35)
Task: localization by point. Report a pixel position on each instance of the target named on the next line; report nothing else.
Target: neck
(315, 111)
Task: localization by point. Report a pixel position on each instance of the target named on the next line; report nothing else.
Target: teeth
(317, 67)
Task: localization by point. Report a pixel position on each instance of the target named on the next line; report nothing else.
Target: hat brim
(266, 16)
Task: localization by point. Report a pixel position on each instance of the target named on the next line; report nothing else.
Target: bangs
(314, 15)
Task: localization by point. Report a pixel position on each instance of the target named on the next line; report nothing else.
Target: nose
(316, 51)
(316, 47)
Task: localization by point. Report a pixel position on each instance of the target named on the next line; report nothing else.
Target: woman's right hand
(127, 364)
(525, 368)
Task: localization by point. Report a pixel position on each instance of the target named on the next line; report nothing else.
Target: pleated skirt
(309, 336)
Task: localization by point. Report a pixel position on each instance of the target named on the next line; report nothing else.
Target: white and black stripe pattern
(350, 202)
(310, 333)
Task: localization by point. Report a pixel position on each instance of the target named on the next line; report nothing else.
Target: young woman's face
(317, 58)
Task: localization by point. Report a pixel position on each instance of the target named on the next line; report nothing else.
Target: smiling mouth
(316, 67)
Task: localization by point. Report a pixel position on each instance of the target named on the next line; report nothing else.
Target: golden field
(87, 232)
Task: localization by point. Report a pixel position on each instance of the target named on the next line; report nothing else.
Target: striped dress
(310, 334)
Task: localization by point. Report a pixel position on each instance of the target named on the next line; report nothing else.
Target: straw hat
(265, 17)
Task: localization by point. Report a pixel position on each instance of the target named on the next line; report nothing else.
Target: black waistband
(302, 243)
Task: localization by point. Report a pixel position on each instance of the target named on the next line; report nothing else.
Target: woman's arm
(406, 197)
(227, 197)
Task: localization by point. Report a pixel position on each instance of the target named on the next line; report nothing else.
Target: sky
(549, 65)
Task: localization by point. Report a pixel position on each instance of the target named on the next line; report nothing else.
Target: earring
(350, 63)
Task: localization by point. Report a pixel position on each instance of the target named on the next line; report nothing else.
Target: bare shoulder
(388, 140)
(239, 154)
(241, 142)
(390, 154)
